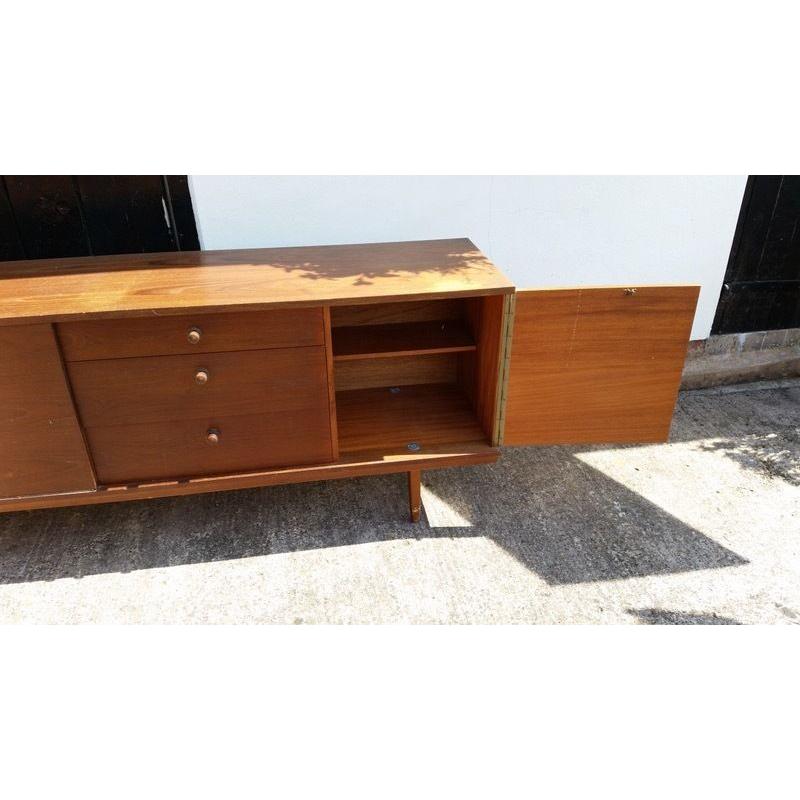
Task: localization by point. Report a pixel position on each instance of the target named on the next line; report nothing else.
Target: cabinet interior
(415, 374)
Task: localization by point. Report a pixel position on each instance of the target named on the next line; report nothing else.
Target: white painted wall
(541, 231)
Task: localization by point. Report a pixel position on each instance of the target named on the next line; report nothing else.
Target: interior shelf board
(426, 414)
(401, 339)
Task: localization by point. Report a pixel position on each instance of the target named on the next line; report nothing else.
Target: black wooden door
(57, 216)
(761, 290)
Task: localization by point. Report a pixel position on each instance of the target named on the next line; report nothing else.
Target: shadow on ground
(563, 520)
(758, 429)
(660, 616)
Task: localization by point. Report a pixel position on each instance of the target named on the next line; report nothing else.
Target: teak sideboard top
(243, 280)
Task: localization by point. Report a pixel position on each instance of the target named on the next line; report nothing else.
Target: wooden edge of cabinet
(503, 359)
(20, 317)
(326, 322)
(353, 465)
(144, 284)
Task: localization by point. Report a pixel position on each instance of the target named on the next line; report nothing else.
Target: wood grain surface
(239, 280)
(179, 448)
(400, 371)
(430, 414)
(401, 339)
(127, 391)
(398, 311)
(41, 446)
(597, 365)
(162, 336)
(330, 380)
(479, 371)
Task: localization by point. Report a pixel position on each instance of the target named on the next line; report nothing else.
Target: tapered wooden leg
(414, 477)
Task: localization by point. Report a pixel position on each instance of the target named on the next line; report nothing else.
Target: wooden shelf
(400, 339)
(428, 414)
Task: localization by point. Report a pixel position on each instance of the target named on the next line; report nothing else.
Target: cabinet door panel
(596, 365)
(41, 446)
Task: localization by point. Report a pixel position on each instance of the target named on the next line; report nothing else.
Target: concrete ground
(705, 529)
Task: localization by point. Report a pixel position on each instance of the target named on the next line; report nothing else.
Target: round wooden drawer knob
(201, 376)
(212, 436)
(194, 335)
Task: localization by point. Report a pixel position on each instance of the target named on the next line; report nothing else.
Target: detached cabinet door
(41, 446)
(596, 365)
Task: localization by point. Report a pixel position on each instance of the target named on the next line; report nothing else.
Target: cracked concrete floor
(705, 529)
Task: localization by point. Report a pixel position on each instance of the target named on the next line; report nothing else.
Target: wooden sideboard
(141, 376)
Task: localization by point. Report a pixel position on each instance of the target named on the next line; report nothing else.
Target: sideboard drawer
(198, 333)
(210, 445)
(126, 391)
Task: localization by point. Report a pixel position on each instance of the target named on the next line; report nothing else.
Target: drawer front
(131, 391)
(201, 333)
(210, 446)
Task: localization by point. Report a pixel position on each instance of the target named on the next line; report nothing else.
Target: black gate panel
(58, 216)
(761, 290)
(760, 306)
(48, 216)
(126, 214)
(180, 202)
(10, 244)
